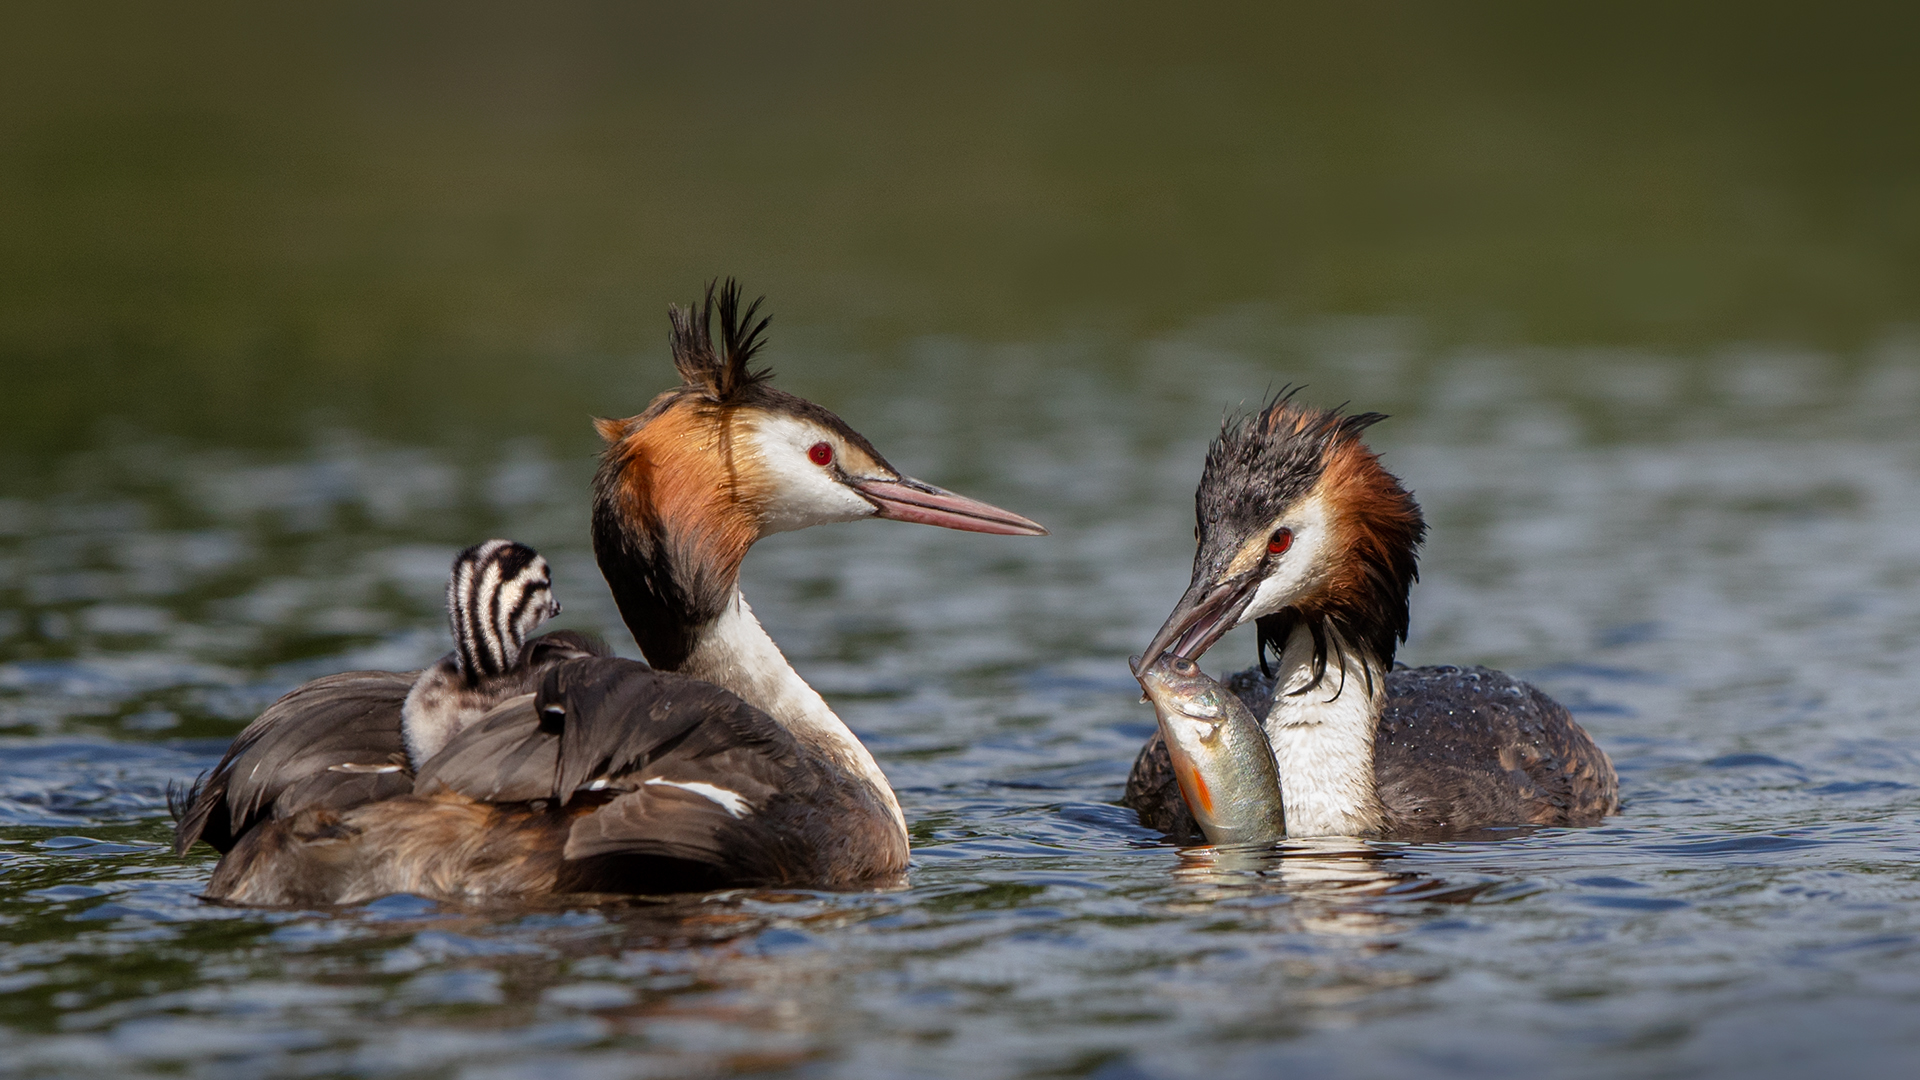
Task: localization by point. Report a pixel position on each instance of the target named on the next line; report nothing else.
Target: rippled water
(1717, 565)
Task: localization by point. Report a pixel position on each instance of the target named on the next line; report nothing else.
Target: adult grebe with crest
(716, 766)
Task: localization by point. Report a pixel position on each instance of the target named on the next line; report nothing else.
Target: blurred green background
(218, 221)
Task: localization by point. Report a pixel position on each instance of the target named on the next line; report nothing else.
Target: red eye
(1282, 540)
(820, 454)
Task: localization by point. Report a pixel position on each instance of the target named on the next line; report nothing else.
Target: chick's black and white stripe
(498, 593)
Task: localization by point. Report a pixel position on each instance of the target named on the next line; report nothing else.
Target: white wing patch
(730, 801)
(356, 767)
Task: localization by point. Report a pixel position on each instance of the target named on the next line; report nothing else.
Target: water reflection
(1329, 885)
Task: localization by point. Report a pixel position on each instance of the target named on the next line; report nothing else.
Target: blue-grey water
(292, 310)
(1728, 602)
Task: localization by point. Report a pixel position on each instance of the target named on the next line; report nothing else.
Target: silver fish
(1220, 754)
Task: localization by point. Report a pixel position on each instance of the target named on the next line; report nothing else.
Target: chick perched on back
(499, 593)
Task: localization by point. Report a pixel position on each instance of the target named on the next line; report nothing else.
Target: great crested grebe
(717, 766)
(1304, 533)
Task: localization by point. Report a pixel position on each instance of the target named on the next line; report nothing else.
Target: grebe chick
(498, 593)
(1303, 532)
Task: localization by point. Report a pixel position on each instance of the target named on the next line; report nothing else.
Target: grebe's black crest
(1263, 461)
(720, 375)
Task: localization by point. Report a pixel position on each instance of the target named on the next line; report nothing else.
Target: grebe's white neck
(1322, 736)
(735, 653)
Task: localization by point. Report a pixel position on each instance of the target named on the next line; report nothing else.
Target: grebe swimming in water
(583, 773)
(1305, 534)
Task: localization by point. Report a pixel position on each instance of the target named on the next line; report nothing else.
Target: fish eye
(820, 453)
(1183, 666)
(1280, 541)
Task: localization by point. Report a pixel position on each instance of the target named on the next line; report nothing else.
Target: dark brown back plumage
(612, 778)
(292, 757)
(332, 744)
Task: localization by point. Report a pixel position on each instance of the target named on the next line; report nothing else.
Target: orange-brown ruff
(1304, 533)
(674, 476)
(716, 766)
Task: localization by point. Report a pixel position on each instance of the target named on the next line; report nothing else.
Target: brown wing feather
(288, 760)
(505, 756)
(289, 751)
(648, 735)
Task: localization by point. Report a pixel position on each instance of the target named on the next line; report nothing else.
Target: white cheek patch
(798, 492)
(730, 801)
(1302, 570)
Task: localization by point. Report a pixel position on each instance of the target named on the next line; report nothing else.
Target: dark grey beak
(1207, 611)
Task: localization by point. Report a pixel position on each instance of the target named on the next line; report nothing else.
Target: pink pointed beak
(907, 499)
